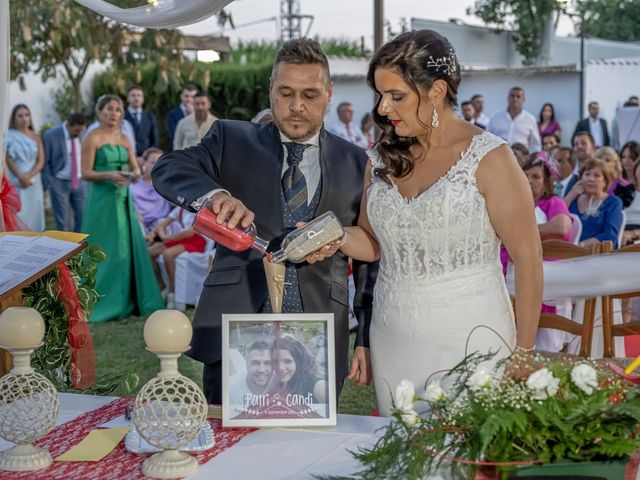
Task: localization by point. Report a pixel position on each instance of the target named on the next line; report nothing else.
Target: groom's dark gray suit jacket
(246, 159)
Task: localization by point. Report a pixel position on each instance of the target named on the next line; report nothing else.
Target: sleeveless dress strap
(481, 144)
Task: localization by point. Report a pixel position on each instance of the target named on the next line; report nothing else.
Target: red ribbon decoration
(83, 355)
(10, 205)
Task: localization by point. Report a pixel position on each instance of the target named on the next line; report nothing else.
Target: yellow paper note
(95, 446)
(57, 234)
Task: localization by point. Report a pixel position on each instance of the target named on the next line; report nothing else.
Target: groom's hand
(231, 210)
(360, 372)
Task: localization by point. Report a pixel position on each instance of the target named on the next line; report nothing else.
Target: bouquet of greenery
(545, 410)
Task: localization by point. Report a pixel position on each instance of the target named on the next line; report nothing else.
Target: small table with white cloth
(268, 453)
(589, 277)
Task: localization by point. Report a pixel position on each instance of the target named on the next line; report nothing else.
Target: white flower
(543, 384)
(480, 379)
(405, 396)
(434, 392)
(410, 417)
(584, 377)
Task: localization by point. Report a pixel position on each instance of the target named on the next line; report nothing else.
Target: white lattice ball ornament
(169, 412)
(170, 409)
(28, 407)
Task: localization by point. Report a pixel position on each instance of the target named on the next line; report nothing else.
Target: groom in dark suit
(245, 172)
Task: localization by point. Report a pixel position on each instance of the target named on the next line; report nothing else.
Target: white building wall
(611, 83)
(38, 95)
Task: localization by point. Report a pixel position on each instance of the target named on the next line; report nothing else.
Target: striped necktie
(294, 185)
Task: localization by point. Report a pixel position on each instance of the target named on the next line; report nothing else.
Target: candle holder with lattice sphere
(169, 410)
(28, 401)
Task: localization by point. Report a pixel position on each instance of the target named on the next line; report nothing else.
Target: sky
(349, 19)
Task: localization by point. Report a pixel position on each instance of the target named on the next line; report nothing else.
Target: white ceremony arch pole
(159, 13)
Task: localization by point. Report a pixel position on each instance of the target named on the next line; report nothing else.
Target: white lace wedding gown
(440, 276)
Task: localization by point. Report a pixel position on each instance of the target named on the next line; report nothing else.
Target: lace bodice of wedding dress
(440, 275)
(444, 230)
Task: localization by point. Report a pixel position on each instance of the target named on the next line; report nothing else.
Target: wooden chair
(561, 250)
(610, 330)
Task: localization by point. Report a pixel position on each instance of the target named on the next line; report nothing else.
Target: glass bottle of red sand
(296, 246)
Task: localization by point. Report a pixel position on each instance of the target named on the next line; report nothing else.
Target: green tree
(611, 19)
(526, 18)
(60, 38)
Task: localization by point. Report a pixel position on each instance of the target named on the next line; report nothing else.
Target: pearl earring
(434, 117)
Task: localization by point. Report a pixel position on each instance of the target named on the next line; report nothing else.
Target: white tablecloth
(587, 277)
(268, 453)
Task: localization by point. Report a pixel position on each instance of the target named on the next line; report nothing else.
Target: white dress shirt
(521, 129)
(350, 132)
(595, 127)
(65, 172)
(309, 165)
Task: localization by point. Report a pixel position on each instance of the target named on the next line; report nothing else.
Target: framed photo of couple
(278, 370)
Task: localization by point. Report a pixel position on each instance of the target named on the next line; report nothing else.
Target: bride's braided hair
(420, 57)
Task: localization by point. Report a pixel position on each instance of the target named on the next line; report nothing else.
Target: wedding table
(275, 453)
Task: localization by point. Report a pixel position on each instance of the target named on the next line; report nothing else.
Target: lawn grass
(120, 349)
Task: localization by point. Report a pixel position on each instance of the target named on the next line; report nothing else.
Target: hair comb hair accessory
(544, 158)
(448, 64)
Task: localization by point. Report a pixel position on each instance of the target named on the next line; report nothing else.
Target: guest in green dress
(125, 282)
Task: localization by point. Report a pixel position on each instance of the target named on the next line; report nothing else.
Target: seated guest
(172, 245)
(629, 154)
(151, 207)
(600, 213)
(263, 117)
(368, 127)
(632, 228)
(556, 223)
(521, 152)
(547, 124)
(552, 214)
(566, 164)
(549, 143)
(619, 186)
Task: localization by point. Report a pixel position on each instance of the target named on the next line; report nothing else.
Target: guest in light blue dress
(25, 159)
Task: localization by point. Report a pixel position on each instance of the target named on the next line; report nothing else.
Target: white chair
(191, 270)
(621, 233)
(576, 229)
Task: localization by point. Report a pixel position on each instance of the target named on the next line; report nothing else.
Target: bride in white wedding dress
(440, 194)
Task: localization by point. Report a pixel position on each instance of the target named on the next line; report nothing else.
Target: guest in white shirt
(516, 125)
(478, 105)
(346, 128)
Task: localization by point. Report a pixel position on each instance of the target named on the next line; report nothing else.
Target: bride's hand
(360, 372)
(328, 250)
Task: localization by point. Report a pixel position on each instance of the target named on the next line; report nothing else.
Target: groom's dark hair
(302, 51)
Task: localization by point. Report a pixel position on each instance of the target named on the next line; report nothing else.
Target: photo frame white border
(328, 319)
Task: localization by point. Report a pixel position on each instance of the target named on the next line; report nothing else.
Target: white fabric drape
(4, 77)
(587, 277)
(162, 14)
